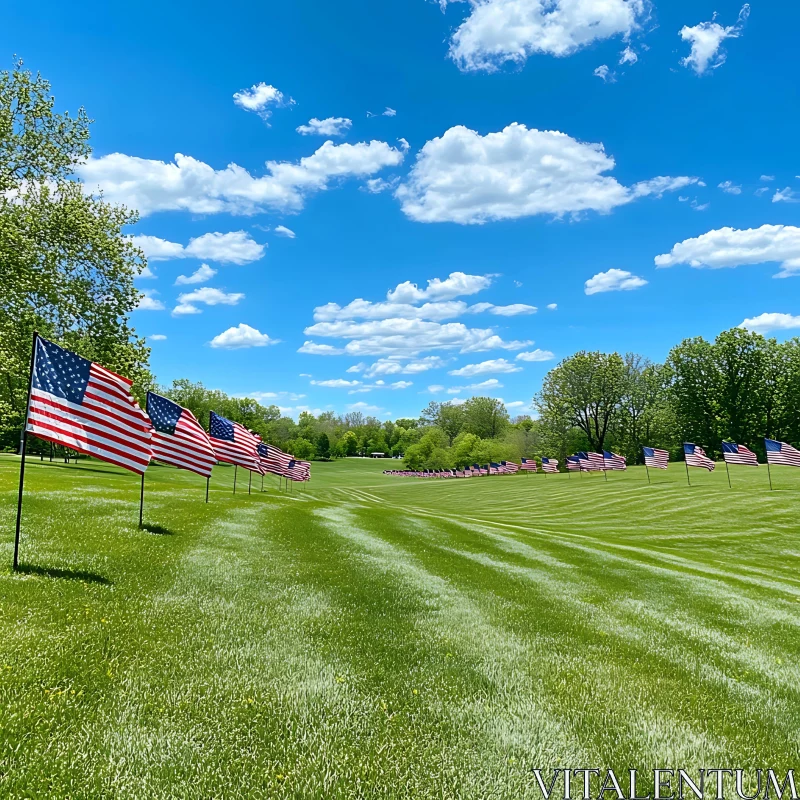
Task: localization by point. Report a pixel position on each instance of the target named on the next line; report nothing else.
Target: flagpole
(141, 502)
(235, 470)
(23, 451)
(686, 463)
(769, 474)
(647, 470)
(262, 481)
(208, 480)
(728, 471)
(250, 481)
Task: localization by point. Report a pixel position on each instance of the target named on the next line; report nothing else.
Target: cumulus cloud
(156, 337)
(207, 296)
(336, 383)
(202, 274)
(237, 247)
(767, 178)
(730, 247)
(729, 187)
(536, 355)
(484, 386)
(500, 31)
(457, 284)
(282, 230)
(605, 74)
(514, 310)
(261, 98)
(467, 178)
(240, 337)
(706, 41)
(331, 126)
(614, 280)
(378, 185)
(187, 184)
(364, 309)
(402, 366)
(765, 323)
(552, 306)
(315, 349)
(496, 366)
(628, 56)
(149, 302)
(787, 195)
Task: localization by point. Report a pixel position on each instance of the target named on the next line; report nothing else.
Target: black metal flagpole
(235, 469)
(141, 503)
(208, 480)
(769, 474)
(262, 481)
(250, 481)
(647, 470)
(687, 465)
(728, 471)
(23, 451)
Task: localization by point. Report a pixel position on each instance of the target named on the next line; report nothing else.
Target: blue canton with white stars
(163, 413)
(59, 372)
(221, 428)
(263, 450)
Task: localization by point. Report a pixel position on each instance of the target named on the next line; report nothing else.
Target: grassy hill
(366, 636)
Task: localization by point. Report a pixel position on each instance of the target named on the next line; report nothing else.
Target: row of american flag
(477, 470)
(86, 407)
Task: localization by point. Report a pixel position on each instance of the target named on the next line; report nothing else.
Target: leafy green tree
(445, 416)
(485, 417)
(323, 446)
(349, 443)
(300, 448)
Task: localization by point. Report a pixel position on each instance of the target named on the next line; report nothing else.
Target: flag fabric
(178, 437)
(549, 465)
(84, 406)
(614, 462)
(529, 464)
(298, 470)
(738, 454)
(495, 469)
(696, 457)
(273, 459)
(781, 454)
(510, 466)
(233, 443)
(573, 463)
(592, 462)
(655, 459)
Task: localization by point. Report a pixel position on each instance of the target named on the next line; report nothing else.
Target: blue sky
(520, 152)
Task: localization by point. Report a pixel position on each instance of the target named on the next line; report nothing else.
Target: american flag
(655, 459)
(298, 470)
(178, 438)
(738, 454)
(495, 469)
(82, 405)
(529, 464)
(479, 469)
(233, 443)
(696, 457)
(511, 467)
(573, 463)
(780, 453)
(613, 461)
(592, 462)
(549, 465)
(273, 459)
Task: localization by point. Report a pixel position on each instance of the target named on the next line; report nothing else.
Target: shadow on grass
(157, 529)
(65, 574)
(81, 467)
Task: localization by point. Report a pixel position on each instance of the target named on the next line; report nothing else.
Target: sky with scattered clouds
(365, 206)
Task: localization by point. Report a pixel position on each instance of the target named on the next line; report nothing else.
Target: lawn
(366, 636)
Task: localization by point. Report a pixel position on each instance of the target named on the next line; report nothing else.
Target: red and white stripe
(550, 466)
(188, 448)
(108, 424)
(241, 451)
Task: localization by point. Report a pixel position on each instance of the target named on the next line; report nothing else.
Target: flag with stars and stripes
(529, 464)
(233, 443)
(655, 459)
(738, 454)
(573, 463)
(592, 462)
(696, 457)
(612, 461)
(510, 466)
(178, 437)
(781, 454)
(549, 465)
(273, 459)
(81, 405)
(298, 470)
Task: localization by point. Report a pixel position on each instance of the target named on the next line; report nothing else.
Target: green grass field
(367, 636)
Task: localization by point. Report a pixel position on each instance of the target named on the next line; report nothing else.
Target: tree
(445, 416)
(585, 391)
(323, 446)
(485, 417)
(349, 443)
(67, 269)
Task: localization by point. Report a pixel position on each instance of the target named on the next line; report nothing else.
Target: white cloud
(729, 187)
(202, 274)
(390, 112)
(614, 280)
(262, 396)
(435, 389)
(364, 309)
(156, 337)
(729, 247)
(514, 310)
(208, 296)
(260, 99)
(498, 31)
(362, 406)
(767, 178)
(605, 73)
(314, 349)
(401, 385)
(496, 366)
(490, 385)
(191, 185)
(706, 40)
(699, 206)
(357, 368)
(663, 183)
(148, 301)
(145, 273)
(336, 383)
(457, 284)
(467, 178)
(240, 337)
(237, 247)
(536, 355)
(282, 230)
(552, 306)
(402, 366)
(378, 185)
(628, 56)
(516, 404)
(787, 195)
(331, 126)
(764, 323)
